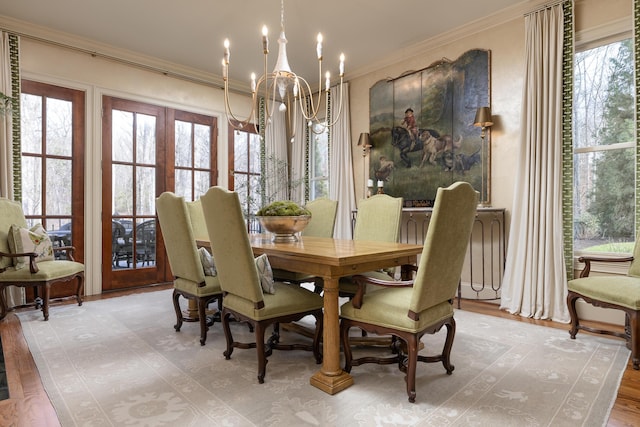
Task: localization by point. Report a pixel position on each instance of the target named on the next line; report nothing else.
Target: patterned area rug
(119, 362)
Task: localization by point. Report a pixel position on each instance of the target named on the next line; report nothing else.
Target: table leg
(331, 378)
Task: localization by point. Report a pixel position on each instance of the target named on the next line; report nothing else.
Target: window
(604, 148)
(319, 162)
(245, 175)
(52, 131)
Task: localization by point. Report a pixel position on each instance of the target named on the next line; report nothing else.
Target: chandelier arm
(232, 119)
(308, 93)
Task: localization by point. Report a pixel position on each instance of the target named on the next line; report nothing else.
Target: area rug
(119, 362)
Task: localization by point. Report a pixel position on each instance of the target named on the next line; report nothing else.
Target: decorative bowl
(284, 228)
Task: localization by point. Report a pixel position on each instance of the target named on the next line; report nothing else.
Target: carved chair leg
(79, 290)
(176, 307)
(260, 350)
(227, 334)
(318, 336)
(344, 336)
(448, 344)
(634, 326)
(202, 316)
(412, 362)
(45, 303)
(3, 303)
(575, 322)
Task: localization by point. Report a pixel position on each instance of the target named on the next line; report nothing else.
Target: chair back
(379, 219)
(178, 236)
(634, 268)
(230, 244)
(198, 223)
(10, 213)
(323, 218)
(445, 246)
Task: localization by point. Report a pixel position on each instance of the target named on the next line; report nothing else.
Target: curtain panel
(534, 283)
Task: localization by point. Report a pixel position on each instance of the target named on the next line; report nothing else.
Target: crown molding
(516, 11)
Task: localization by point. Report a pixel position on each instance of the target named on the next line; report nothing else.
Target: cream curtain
(534, 282)
(276, 164)
(341, 185)
(13, 295)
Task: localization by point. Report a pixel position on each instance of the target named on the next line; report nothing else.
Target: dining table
(332, 259)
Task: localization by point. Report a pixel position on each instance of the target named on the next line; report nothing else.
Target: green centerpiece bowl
(284, 219)
(284, 228)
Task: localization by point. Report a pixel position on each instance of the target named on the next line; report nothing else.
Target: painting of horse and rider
(421, 124)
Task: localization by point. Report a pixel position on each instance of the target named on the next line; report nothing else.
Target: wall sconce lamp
(483, 119)
(365, 142)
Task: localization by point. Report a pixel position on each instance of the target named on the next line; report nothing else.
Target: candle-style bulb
(265, 39)
(319, 46)
(226, 51)
(327, 82)
(341, 64)
(253, 82)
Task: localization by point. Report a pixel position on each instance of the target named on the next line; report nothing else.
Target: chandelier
(283, 88)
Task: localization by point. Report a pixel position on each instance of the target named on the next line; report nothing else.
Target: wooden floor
(29, 405)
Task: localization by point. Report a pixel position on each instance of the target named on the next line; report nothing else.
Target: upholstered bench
(616, 292)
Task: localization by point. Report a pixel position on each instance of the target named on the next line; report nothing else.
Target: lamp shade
(483, 117)
(364, 140)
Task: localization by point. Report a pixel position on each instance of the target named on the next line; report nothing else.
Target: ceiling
(191, 32)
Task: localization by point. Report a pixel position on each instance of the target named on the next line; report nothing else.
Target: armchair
(189, 279)
(244, 297)
(616, 292)
(37, 274)
(379, 219)
(409, 309)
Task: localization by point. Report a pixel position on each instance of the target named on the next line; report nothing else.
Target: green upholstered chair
(189, 279)
(379, 218)
(244, 298)
(37, 274)
(323, 221)
(616, 292)
(409, 309)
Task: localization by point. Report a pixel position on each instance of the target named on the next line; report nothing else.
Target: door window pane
(122, 136)
(59, 127)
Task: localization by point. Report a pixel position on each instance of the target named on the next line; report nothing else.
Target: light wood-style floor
(28, 404)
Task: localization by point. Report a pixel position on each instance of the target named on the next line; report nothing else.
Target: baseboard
(585, 310)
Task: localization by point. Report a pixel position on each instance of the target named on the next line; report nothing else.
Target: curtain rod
(119, 60)
(546, 6)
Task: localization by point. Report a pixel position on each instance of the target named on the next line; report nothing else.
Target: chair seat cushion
(211, 287)
(288, 299)
(47, 270)
(623, 290)
(389, 307)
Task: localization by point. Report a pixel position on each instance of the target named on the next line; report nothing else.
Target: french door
(147, 149)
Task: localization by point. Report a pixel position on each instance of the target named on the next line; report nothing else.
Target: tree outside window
(604, 149)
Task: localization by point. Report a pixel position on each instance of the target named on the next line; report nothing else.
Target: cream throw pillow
(35, 239)
(266, 274)
(207, 262)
